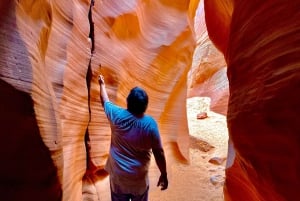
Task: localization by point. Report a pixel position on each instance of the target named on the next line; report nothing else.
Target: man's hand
(101, 80)
(163, 181)
(103, 93)
(161, 163)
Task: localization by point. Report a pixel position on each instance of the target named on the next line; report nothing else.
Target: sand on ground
(200, 180)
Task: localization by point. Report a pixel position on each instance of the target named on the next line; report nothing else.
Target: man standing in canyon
(133, 136)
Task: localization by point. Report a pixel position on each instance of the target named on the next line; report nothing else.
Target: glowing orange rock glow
(55, 137)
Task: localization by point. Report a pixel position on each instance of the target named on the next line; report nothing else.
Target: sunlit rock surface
(207, 76)
(261, 41)
(55, 134)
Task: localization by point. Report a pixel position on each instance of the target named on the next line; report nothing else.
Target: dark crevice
(86, 137)
(89, 76)
(89, 73)
(87, 147)
(92, 34)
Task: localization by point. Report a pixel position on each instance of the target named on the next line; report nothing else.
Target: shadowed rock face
(27, 171)
(55, 135)
(262, 55)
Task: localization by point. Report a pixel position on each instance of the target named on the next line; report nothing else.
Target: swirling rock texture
(55, 136)
(260, 41)
(207, 77)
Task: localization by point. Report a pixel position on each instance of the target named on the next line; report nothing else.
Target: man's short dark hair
(137, 101)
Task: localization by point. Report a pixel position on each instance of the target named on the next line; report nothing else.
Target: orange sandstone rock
(260, 47)
(51, 51)
(207, 77)
(54, 130)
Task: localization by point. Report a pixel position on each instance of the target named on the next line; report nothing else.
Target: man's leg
(143, 197)
(119, 197)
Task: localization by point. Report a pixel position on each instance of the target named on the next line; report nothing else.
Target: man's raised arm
(103, 93)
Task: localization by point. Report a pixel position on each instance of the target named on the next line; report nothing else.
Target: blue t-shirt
(132, 140)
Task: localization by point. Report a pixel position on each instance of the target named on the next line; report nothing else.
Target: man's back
(131, 142)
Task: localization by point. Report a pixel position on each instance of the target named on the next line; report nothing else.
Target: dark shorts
(129, 197)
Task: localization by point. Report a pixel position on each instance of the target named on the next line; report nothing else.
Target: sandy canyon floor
(203, 178)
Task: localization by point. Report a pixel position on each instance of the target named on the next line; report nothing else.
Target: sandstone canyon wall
(207, 77)
(260, 41)
(55, 136)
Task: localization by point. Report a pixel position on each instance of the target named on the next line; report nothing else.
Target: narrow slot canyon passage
(203, 177)
(212, 69)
